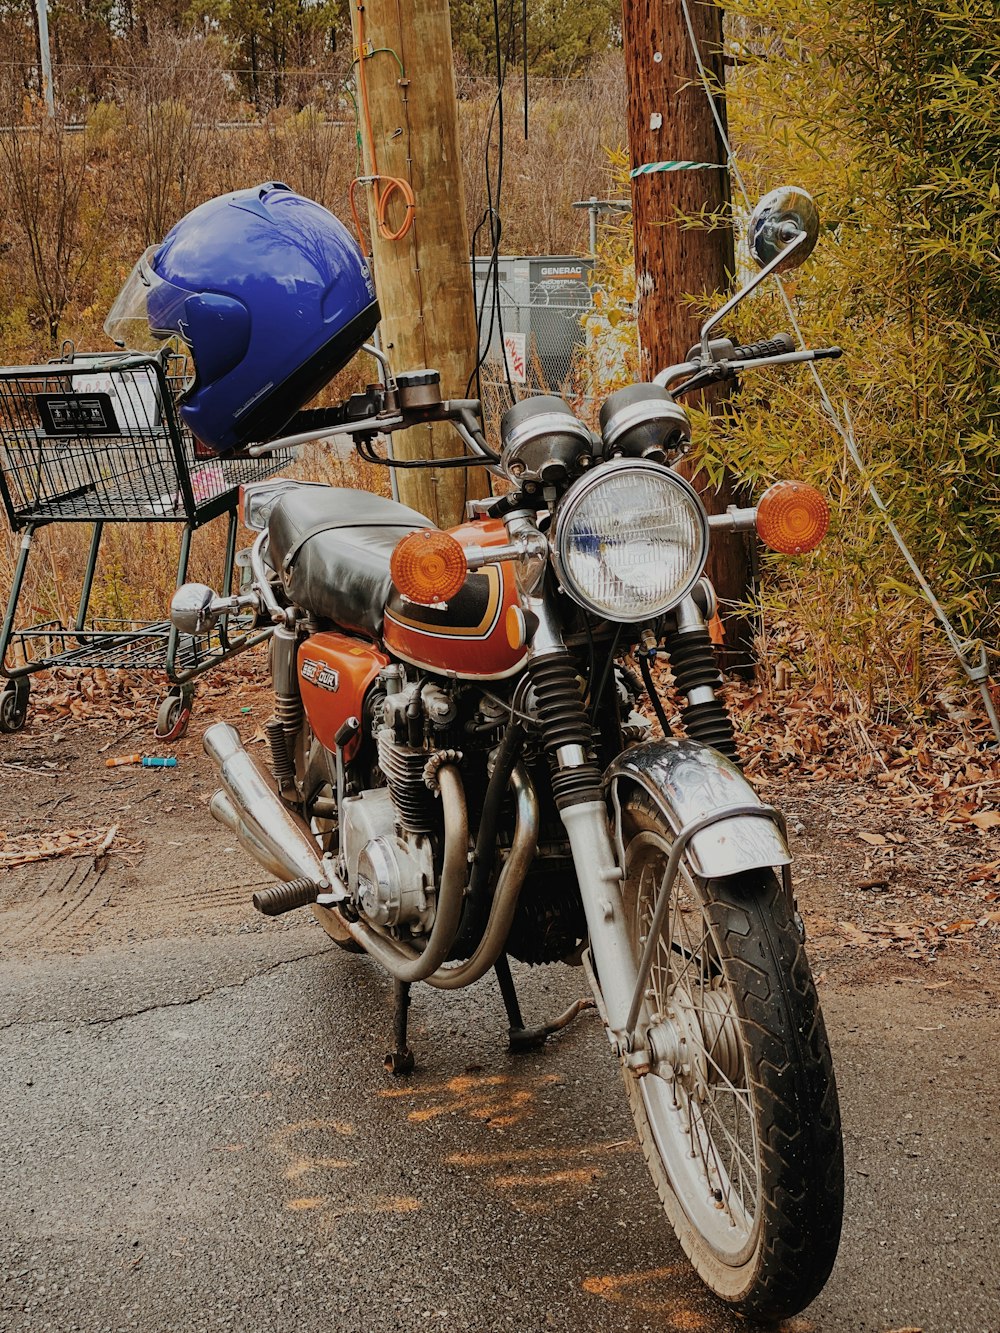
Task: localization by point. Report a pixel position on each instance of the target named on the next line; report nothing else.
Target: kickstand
(519, 1037)
(400, 1060)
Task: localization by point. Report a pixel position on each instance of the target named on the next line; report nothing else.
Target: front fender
(690, 781)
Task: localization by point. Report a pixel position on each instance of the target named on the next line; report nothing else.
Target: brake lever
(714, 374)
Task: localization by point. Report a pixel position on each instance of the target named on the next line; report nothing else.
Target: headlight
(630, 540)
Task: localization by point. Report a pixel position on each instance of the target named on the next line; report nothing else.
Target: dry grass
(156, 152)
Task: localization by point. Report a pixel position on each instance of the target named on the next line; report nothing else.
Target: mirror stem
(766, 271)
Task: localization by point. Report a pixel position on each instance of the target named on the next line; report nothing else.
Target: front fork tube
(567, 733)
(600, 878)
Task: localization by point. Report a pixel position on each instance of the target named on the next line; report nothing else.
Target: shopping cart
(97, 439)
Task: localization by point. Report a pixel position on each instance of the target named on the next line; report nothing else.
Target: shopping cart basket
(97, 439)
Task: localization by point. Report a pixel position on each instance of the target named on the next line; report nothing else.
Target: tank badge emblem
(321, 675)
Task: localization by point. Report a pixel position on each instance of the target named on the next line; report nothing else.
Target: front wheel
(738, 1119)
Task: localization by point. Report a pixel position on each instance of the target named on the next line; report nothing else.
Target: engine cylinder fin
(403, 766)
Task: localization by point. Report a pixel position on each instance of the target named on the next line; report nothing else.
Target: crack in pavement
(165, 1004)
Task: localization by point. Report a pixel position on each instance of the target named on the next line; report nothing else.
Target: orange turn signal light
(792, 517)
(428, 566)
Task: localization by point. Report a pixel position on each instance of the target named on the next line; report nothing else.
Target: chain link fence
(544, 328)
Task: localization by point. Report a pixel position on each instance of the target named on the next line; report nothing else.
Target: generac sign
(562, 271)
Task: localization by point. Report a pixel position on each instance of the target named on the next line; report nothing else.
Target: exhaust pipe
(250, 808)
(281, 842)
(221, 808)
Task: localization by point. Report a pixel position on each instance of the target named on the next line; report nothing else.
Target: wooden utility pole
(424, 279)
(670, 120)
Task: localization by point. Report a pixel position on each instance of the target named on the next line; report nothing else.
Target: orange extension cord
(393, 184)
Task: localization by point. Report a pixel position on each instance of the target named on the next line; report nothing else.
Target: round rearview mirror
(777, 224)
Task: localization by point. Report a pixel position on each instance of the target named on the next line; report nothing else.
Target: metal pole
(42, 9)
(595, 207)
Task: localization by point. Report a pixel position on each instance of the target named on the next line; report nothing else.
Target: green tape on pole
(649, 167)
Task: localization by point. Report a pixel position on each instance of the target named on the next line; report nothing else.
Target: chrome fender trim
(690, 781)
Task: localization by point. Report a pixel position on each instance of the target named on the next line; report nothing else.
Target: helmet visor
(148, 309)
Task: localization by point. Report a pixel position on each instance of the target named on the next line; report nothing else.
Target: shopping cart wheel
(14, 704)
(174, 713)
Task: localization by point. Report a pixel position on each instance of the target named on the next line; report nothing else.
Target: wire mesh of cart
(97, 439)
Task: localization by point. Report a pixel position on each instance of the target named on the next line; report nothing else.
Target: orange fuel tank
(335, 672)
(469, 635)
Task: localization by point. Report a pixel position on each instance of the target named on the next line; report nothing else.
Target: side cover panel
(335, 672)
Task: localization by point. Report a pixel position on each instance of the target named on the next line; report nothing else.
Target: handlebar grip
(776, 346)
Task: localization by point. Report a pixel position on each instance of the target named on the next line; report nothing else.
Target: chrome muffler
(249, 807)
(221, 808)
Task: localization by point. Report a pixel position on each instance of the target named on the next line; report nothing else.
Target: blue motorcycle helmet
(272, 296)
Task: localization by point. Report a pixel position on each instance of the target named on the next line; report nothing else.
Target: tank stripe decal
(464, 675)
(483, 630)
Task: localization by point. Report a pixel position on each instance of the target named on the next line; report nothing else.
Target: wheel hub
(697, 1043)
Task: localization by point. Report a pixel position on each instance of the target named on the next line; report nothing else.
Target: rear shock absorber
(283, 729)
(705, 716)
(281, 759)
(567, 733)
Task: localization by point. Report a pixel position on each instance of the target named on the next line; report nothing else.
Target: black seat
(332, 547)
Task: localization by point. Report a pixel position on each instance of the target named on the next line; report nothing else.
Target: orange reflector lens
(792, 517)
(428, 566)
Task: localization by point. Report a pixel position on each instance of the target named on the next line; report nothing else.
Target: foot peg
(286, 897)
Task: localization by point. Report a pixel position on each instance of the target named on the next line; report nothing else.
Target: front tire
(740, 1127)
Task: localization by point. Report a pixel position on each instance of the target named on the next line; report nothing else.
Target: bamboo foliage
(889, 114)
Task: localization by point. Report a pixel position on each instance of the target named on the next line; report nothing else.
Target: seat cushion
(331, 548)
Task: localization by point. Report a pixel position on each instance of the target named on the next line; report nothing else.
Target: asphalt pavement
(198, 1134)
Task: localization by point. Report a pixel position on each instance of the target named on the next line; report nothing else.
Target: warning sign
(516, 356)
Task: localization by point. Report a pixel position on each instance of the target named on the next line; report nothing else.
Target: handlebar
(776, 346)
(363, 416)
(764, 353)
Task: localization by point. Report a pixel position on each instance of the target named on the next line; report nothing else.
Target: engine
(389, 836)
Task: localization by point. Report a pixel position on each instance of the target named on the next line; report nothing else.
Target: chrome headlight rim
(579, 491)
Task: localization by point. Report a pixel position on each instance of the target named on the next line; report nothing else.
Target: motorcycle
(462, 772)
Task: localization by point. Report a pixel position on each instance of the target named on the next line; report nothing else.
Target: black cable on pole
(651, 690)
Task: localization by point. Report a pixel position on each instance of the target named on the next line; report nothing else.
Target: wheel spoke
(686, 979)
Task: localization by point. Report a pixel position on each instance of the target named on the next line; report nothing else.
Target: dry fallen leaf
(985, 819)
(854, 935)
(876, 839)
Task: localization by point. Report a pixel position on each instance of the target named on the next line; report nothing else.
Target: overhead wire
(491, 217)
